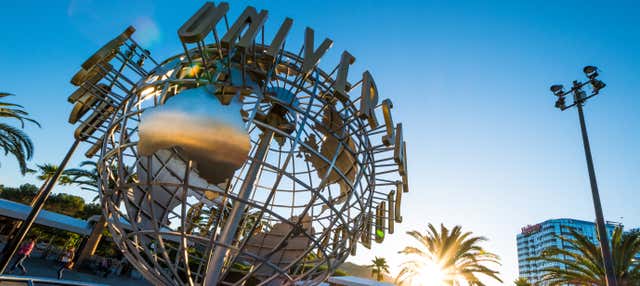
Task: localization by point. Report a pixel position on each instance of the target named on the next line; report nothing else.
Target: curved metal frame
(166, 242)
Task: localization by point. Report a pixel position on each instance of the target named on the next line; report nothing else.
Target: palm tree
(584, 266)
(45, 172)
(449, 257)
(378, 267)
(13, 140)
(521, 282)
(87, 176)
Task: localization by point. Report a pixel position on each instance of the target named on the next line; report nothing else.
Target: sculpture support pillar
(92, 242)
(216, 260)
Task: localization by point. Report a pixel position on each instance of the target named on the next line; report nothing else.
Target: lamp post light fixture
(579, 98)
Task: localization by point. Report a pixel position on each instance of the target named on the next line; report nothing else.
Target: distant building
(535, 238)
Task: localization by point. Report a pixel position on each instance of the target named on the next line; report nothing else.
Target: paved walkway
(46, 268)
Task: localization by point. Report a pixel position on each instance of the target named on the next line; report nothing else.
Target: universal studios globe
(238, 162)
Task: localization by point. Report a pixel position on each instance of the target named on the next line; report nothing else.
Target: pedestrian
(106, 265)
(23, 253)
(103, 267)
(66, 260)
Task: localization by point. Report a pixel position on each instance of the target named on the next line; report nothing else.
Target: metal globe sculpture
(237, 162)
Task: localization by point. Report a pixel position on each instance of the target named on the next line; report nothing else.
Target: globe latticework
(230, 164)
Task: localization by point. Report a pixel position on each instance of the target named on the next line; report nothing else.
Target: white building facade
(535, 238)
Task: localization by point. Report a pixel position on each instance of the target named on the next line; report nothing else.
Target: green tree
(45, 172)
(521, 282)
(65, 204)
(23, 194)
(87, 176)
(379, 267)
(449, 257)
(583, 265)
(13, 140)
(61, 203)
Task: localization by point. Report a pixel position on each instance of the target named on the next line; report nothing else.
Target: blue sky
(469, 80)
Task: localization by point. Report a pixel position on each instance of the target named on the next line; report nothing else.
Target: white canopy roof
(20, 211)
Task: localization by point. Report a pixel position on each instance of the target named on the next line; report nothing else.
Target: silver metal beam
(216, 261)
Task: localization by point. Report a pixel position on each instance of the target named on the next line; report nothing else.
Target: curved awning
(20, 211)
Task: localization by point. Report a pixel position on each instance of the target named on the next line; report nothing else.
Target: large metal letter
(278, 40)
(388, 121)
(248, 17)
(392, 212)
(380, 217)
(94, 121)
(398, 153)
(311, 57)
(405, 176)
(368, 100)
(202, 22)
(90, 77)
(83, 105)
(341, 86)
(108, 51)
(365, 238)
(398, 202)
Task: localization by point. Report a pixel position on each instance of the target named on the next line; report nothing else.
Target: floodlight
(557, 89)
(590, 71)
(597, 85)
(579, 99)
(560, 103)
(580, 95)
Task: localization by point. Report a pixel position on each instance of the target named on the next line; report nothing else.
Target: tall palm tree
(449, 257)
(86, 176)
(45, 172)
(379, 267)
(13, 140)
(521, 281)
(584, 266)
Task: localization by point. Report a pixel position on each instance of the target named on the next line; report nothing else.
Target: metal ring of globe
(238, 163)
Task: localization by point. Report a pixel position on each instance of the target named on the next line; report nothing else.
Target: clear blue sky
(487, 149)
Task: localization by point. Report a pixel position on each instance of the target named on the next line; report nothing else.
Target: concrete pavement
(47, 268)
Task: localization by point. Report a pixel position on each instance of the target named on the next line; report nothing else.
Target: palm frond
(13, 140)
(457, 253)
(584, 265)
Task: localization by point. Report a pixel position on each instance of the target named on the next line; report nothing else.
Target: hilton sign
(531, 229)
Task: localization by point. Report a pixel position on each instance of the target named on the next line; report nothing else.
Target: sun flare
(446, 257)
(431, 274)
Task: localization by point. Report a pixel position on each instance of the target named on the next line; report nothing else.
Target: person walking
(23, 253)
(66, 260)
(106, 267)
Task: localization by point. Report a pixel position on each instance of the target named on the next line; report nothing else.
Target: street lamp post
(579, 98)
